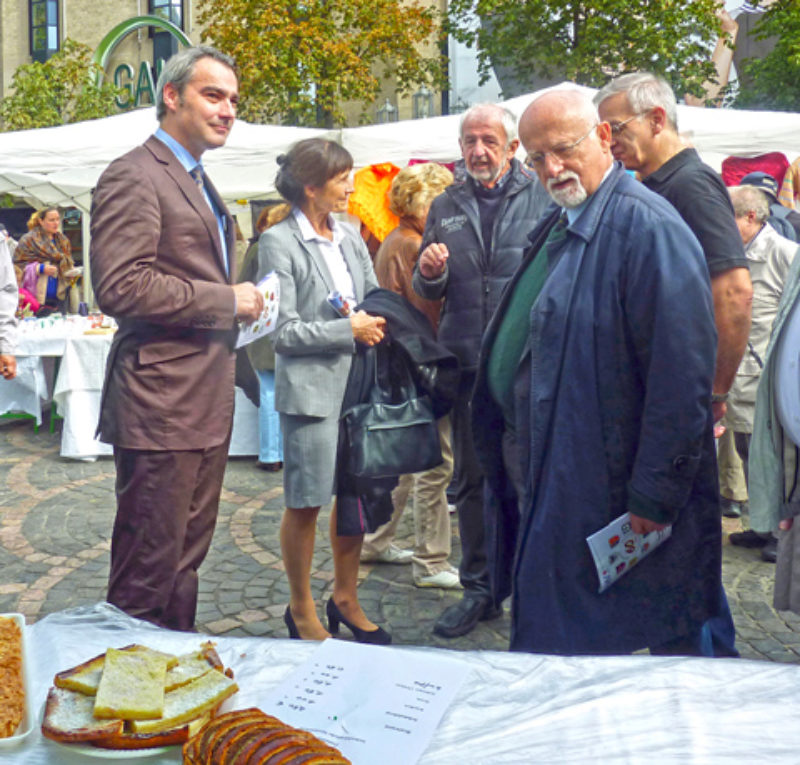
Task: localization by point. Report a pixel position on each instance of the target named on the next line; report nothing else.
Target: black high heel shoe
(288, 620)
(378, 636)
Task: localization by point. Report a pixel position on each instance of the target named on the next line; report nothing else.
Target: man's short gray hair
(506, 118)
(645, 91)
(747, 198)
(179, 70)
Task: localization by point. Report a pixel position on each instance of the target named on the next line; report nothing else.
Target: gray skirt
(309, 459)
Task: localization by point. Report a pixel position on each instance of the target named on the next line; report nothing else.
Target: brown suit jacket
(157, 268)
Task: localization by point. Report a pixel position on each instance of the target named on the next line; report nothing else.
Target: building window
(45, 35)
(169, 10)
(164, 44)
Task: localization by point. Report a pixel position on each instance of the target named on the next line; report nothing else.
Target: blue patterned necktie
(197, 174)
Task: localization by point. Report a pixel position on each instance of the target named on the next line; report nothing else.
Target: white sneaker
(393, 554)
(445, 580)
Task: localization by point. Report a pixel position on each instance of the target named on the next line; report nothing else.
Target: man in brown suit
(163, 265)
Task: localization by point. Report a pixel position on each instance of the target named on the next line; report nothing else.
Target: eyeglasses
(537, 160)
(618, 127)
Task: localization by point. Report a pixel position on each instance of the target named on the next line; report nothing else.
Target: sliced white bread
(85, 677)
(132, 686)
(69, 718)
(189, 701)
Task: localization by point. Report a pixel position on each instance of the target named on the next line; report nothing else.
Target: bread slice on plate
(172, 737)
(85, 677)
(132, 686)
(189, 701)
(69, 718)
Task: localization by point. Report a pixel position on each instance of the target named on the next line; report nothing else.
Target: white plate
(99, 753)
(26, 726)
(87, 750)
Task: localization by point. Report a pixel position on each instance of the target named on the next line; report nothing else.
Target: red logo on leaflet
(613, 541)
(621, 567)
(630, 546)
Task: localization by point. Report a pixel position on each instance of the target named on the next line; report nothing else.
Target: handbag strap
(403, 385)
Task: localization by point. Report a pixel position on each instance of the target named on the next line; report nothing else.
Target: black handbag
(392, 434)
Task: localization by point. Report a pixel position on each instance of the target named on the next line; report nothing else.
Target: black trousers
(473, 571)
(167, 506)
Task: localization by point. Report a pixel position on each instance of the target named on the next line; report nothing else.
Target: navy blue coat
(612, 403)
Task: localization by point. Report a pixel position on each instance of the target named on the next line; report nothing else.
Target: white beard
(572, 195)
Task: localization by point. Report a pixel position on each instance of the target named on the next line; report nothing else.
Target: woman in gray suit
(314, 255)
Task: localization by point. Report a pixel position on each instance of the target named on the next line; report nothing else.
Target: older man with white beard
(473, 242)
(593, 400)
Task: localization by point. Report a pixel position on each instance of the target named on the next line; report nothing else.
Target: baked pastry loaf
(250, 737)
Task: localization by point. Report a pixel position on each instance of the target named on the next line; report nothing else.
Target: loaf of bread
(131, 686)
(250, 737)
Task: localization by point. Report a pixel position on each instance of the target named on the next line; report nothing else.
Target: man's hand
(367, 329)
(719, 409)
(644, 526)
(433, 260)
(8, 366)
(50, 270)
(249, 302)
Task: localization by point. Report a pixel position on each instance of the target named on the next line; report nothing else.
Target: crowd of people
(609, 301)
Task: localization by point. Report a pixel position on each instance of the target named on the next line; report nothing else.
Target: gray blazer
(314, 346)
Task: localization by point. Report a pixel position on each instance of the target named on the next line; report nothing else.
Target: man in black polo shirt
(643, 116)
(641, 110)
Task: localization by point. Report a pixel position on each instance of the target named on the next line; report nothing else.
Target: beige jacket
(769, 256)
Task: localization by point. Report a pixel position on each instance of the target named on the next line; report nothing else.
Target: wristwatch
(719, 398)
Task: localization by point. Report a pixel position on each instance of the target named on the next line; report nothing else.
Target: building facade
(32, 30)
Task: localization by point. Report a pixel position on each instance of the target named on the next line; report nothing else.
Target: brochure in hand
(616, 549)
(265, 323)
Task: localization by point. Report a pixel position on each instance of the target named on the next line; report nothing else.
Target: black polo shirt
(701, 199)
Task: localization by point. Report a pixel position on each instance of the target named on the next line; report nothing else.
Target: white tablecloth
(513, 708)
(79, 385)
(77, 392)
(27, 390)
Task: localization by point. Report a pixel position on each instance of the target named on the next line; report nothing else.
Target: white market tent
(61, 165)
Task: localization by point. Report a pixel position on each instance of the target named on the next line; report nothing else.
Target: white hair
(747, 198)
(644, 91)
(506, 118)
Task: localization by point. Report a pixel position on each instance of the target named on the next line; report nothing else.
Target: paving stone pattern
(55, 524)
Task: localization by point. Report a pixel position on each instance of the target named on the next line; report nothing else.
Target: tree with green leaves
(590, 42)
(773, 82)
(58, 91)
(299, 62)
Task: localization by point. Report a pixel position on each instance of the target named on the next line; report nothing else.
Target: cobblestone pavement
(56, 517)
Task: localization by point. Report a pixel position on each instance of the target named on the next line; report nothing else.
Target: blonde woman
(413, 190)
(45, 246)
